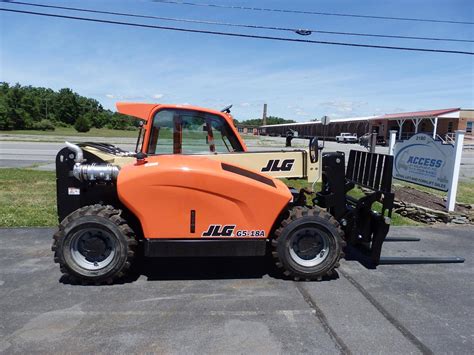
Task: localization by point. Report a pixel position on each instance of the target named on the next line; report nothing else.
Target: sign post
(453, 189)
(373, 141)
(392, 141)
(324, 122)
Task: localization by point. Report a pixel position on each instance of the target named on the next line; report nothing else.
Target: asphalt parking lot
(240, 305)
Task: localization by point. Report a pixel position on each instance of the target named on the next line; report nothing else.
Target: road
(42, 154)
(240, 305)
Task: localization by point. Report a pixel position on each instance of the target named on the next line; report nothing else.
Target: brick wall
(465, 116)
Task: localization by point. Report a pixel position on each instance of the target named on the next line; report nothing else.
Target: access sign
(424, 161)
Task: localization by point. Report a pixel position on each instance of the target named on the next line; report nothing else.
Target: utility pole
(46, 103)
(264, 116)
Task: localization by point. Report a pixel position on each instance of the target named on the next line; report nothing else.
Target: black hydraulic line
(303, 32)
(401, 260)
(401, 239)
(234, 7)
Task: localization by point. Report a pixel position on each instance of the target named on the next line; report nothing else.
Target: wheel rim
(93, 248)
(309, 247)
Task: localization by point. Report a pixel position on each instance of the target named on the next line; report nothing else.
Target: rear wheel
(308, 244)
(94, 245)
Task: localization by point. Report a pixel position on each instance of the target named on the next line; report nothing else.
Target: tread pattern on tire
(294, 214)
(105, 211)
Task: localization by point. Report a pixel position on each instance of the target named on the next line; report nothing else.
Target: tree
(100, 119)
(67, 108)
(6, 123)
(82, 124)
(120, 121)
(270, 121)
(29, 107)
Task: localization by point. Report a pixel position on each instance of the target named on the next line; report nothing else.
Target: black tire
(106, 233)
(316, 227)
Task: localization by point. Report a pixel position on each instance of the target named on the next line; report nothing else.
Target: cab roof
(144, 111)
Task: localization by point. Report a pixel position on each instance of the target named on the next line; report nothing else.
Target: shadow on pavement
(205, 268)
(156, 269)
(213, 268)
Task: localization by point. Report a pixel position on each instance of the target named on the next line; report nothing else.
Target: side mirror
(141, 158)
(313, 149)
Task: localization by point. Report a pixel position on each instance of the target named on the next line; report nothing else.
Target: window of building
(450, 126)
(469, 126)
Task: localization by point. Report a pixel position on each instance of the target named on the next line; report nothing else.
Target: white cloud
(158, 96)
(336, 115)
(130, 97)
(245, 104)
(301, 112)
(343, 106)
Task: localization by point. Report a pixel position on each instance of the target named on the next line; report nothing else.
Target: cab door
(181, 131)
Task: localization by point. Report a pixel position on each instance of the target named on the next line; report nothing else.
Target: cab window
(177, 131)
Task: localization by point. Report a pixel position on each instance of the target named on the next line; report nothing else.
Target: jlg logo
(273, 165)
(215, 230)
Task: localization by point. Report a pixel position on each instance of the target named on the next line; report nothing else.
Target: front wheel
(308, 244)
(94, 245)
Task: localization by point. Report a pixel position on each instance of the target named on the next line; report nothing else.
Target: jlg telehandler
(192, 189)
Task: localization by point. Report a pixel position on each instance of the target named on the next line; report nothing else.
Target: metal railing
(450, 138)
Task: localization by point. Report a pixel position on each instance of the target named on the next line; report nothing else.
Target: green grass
(70, 131)
(465, 192)
(59, 132)
(27, 198)
(397, 220)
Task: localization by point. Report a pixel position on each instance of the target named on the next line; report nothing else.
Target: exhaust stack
(78, 152)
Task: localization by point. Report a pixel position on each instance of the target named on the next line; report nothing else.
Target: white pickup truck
(346, 138)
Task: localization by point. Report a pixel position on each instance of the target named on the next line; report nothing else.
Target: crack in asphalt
(342, 347)
(387, 315)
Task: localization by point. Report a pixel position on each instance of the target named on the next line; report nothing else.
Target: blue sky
(297, 81)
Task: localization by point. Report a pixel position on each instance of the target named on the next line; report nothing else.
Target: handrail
(450, 138)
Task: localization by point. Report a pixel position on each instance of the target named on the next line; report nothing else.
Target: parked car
(346, 138)
(365, 140)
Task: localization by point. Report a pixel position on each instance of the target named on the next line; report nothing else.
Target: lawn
(104, 132)
(70, 131)
(27, 198)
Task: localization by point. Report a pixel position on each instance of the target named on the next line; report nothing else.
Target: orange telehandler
(192, 189)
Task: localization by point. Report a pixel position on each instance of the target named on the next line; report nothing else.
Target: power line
(231, 34)
(295, 30)
(312, 12)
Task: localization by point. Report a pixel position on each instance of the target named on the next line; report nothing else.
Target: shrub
(43, 125)
(5, 123)
(82, 124)
(61, 124)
